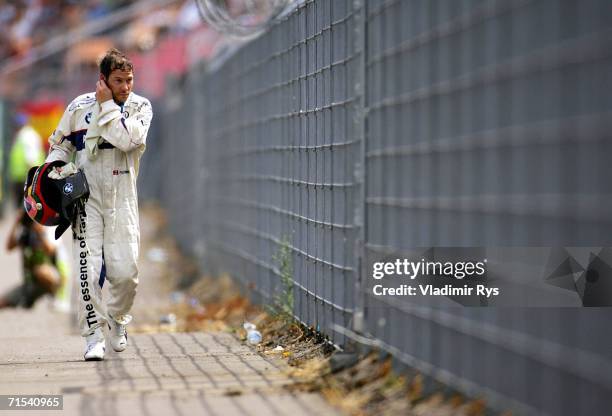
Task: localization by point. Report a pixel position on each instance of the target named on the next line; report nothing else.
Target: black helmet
(54, 201)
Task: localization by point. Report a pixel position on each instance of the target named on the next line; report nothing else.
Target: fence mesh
(353, 131)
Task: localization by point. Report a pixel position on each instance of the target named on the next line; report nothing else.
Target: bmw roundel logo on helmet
(68, 188)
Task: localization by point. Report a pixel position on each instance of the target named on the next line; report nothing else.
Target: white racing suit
(108, 140)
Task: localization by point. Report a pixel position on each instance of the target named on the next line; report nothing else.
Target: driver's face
(120, 83)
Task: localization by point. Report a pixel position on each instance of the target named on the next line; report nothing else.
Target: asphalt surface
(203, 373)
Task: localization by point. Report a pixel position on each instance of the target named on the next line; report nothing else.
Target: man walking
(107, 130)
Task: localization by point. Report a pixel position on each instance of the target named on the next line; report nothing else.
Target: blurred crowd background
(50, 48)
(49, 51)
(30, 23)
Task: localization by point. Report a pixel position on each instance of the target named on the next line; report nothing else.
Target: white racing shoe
(118, 336)
(95, 346)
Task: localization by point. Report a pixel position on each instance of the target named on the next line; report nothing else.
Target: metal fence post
(359, 166)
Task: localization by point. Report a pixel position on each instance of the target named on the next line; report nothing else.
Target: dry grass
(369, 387)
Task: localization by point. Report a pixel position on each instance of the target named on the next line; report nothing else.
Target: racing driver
(107, 131)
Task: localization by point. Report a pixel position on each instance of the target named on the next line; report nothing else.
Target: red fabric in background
(172, 56)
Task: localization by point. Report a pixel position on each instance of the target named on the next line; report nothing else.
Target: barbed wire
(242, 18)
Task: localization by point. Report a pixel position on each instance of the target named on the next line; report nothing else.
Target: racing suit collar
(128, 99)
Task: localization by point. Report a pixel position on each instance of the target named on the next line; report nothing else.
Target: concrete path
(159, 374)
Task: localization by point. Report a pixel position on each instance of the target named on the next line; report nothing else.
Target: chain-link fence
(351, 132)
(488, 126)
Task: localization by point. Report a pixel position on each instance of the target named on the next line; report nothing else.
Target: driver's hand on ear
(103, 93)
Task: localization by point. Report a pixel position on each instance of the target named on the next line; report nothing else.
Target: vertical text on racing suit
(90, 312)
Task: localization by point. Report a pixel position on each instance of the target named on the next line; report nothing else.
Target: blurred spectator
(8, 13)
(40, 275)
(144, 32)
(188, 17)
(28, 15)
(27, 151)
(96, 9)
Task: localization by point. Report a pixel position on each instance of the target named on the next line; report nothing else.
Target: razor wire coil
(242, 18)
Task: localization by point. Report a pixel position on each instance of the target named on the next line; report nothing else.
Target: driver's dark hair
(114, 59)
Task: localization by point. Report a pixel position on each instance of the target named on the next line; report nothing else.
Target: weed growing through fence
(282, 301)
